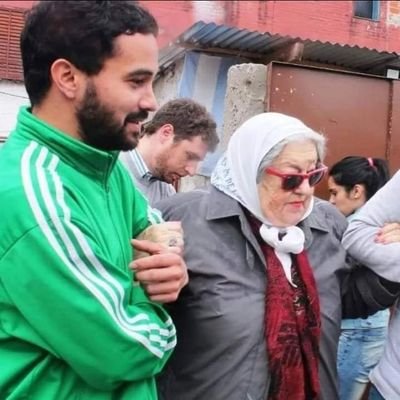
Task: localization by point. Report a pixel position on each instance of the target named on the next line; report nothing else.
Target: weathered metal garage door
(359, 114)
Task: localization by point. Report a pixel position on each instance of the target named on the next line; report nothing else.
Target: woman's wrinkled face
(286, 208)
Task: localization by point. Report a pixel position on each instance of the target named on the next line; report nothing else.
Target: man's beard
(99, 128)
(161, 170)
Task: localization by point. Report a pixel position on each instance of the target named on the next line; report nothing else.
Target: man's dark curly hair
(189, 119)
(82, 32)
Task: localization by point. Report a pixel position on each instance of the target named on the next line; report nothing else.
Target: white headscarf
(236, 174)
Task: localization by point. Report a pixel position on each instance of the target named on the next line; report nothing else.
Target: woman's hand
(390, 233)
(168, 234)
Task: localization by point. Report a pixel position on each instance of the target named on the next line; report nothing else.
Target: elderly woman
(260, 318)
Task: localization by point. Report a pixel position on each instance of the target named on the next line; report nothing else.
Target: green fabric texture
(73, 323)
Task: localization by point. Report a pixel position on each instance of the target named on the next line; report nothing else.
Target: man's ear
(66, 77)
(166, 132)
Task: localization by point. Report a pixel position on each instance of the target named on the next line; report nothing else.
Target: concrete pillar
(244, 98)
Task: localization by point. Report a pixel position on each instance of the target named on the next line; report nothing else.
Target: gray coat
(219, 316)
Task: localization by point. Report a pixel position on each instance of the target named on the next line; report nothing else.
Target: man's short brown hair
(189, 119)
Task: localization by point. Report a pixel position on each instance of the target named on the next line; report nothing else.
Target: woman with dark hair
(352, 182)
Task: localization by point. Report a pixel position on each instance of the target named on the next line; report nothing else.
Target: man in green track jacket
(75, 323)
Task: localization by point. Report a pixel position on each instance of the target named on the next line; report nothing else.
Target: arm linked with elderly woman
(260, 317)
(365, 241)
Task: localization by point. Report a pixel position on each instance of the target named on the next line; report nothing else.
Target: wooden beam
(288, 53)
(218, 50)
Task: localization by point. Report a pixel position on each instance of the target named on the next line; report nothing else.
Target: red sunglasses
(293, 181)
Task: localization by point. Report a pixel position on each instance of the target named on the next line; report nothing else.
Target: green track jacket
(73, 323)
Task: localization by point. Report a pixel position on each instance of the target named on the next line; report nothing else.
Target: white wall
(166, 87)
(12, 97)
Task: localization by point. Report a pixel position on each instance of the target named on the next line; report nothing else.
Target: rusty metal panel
(394, 128)
(352, 110)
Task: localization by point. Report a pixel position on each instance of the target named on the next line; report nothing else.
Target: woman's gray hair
(268, 159)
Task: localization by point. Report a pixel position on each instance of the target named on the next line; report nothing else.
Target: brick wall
(331, 21)
(327, 21)
(393, 16)
(18, 3)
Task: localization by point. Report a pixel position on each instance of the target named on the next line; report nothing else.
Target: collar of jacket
(222, 206)
(96, 163)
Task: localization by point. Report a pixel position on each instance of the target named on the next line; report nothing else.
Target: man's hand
(163, 273)
(390, 233)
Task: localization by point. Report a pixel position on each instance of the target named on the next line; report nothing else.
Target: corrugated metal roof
(242, 42)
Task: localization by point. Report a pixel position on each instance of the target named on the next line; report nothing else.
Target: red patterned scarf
(292, 326)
